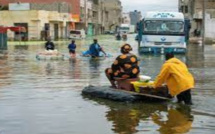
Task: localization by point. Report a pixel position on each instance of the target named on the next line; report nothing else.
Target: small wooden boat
(129, 93)
(50, 55)
(101, 54)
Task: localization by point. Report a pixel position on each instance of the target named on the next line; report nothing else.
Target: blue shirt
(72, 46)
(95, 49)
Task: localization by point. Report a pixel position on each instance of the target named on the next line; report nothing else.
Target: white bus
(162, 32)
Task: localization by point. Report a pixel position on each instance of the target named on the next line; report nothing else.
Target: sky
(149, 5)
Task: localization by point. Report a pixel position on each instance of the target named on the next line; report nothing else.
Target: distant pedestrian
(72, 48)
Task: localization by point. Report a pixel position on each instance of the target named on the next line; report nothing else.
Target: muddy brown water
(44, 97)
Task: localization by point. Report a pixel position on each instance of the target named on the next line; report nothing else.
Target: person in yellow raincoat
(179, 80)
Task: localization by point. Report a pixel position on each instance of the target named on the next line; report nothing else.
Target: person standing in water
(175, 74)
(72, 48)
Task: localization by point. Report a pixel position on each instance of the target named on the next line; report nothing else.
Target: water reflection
(4, 69)
(41, 87)
(94, 65)
(195, 56)
(147, 117)
(176, 120)
(75, 68)
(48, 69)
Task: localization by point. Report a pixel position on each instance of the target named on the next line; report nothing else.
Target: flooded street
(44, 97)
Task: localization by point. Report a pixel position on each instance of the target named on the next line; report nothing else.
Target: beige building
(98, 16)
(39, 24)
(35, 22)
(112, 14)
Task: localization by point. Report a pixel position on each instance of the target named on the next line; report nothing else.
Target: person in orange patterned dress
(125, 66)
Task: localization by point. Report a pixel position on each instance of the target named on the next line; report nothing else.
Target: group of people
(174, 73)
(120, 36)
(94, 49)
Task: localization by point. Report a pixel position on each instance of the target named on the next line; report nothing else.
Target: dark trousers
(185, 97)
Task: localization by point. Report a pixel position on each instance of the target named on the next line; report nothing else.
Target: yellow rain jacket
(175, 74)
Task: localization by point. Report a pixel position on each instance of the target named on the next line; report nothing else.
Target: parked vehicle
(109, 32)
(77, 34)
(124, 28)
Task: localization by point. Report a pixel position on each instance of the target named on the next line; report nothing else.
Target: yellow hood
(176, 75)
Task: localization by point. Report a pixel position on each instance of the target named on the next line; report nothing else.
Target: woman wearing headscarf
(125, 66)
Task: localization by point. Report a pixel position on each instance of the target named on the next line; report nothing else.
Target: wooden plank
(146, 95)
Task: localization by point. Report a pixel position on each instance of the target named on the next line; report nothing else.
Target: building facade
(135, 17)
(57, 18)
(41, 18)
(98, 16)
(112, 14)
(193, 9)
(126, 18)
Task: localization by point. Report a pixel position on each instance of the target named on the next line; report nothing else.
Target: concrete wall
(210, 28)
(135, 17)
(56, 6)
(113, 9)
(75, 4)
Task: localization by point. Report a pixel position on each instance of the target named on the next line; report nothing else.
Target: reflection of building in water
(178, 121)
(49, 69)
(94, 68)
(4, 71)
(75, 68)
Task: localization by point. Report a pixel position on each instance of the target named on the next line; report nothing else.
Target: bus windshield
(163, 27)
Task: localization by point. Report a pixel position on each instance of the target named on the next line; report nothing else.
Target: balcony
(198, 15)
(54, 16)
(95, 7)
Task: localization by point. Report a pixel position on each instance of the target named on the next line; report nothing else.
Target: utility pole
(85, 15)
(203, 23)
(184, 5)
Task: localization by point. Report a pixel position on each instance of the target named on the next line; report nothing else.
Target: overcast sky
(149, 5)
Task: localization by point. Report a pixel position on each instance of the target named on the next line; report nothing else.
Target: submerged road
(44, 97)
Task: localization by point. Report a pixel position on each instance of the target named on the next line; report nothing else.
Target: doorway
(56, 31)
(23, 35)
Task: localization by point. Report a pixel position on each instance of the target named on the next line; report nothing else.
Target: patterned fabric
(125, 66)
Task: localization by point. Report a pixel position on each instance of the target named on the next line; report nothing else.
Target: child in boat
(125, 66)
(72, 48)
(179, 80)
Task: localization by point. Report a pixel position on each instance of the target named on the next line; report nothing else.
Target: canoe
(146, 94)
(49, 55)
(101, 54)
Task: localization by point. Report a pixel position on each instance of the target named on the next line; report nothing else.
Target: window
(184, 9)
(164, 27)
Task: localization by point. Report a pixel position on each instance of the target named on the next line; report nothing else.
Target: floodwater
(44, 97)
